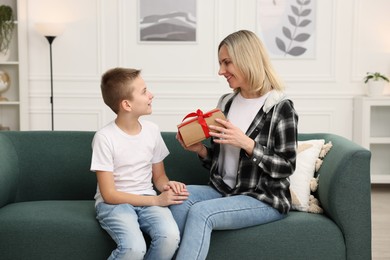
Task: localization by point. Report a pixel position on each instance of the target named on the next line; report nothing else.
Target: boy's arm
(162, 183)
(112, 196)
(160, 179)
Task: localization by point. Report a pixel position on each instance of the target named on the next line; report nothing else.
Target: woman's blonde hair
(250, 57)
(115, 86)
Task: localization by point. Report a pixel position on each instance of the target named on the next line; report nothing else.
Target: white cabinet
(14, 103)
(372, 130)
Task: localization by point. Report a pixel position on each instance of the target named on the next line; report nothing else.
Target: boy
(127, 155)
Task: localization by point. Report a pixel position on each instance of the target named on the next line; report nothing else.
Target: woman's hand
(198, 148)
(177, 187)
(230, 134)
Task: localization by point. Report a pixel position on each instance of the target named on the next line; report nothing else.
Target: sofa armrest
(9, 170)
(345, 192)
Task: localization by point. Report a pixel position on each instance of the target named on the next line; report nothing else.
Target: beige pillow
(307, 154)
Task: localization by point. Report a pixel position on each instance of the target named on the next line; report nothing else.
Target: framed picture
(287, 27)
(167, 20)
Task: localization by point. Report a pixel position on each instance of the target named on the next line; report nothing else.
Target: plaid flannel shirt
(265, 174)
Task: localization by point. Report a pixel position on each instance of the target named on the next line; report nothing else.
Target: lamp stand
(50, 39)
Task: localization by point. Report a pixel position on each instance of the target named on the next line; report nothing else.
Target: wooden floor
(380, 207)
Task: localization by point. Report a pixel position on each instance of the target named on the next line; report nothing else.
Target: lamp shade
(50, 29)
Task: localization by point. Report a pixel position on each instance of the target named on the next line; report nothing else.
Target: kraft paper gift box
(195, 126)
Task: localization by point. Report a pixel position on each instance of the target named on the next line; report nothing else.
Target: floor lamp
(50, 32)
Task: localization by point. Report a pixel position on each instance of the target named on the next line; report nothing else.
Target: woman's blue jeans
(125, 224)
(206, 210)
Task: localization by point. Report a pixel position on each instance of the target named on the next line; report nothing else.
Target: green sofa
(47, 207)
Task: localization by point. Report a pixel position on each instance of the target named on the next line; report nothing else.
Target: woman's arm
(279, 161)
(230, 134)
(278, 158)
(198, 148)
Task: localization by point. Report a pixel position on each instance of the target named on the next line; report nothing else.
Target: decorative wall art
(287, 27)
(4, 84)
(167, 20)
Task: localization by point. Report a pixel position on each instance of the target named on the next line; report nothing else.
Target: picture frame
(288, 28)
(167, 21)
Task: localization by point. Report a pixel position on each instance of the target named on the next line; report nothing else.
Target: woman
(251, 156)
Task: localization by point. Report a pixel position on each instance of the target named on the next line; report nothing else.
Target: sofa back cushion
(53, 165)
(182, 165)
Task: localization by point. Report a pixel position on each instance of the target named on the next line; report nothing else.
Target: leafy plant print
(297, 21)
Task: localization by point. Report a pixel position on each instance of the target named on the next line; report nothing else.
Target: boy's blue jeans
(124, 224)
(206, 210)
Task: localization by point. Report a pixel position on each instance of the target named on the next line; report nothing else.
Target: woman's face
(229, 71)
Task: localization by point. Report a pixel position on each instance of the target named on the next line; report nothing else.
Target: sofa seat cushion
(53, 230)
(290, 238)
(53, 227)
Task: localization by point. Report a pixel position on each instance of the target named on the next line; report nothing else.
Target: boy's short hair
(115, 86)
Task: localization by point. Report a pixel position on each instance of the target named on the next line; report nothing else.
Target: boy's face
(141, 104)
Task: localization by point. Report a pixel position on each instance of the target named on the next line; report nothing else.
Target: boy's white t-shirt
(128, 157)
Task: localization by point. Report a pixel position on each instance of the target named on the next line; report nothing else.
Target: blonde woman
(251, 156)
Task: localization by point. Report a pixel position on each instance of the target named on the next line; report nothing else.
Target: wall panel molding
(68, 119)
(355, 60)
(184, 77)
(63, 45)
(322, 67)
(316, 121)
(128, 45)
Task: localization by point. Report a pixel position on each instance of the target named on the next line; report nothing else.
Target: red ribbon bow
(200, 116)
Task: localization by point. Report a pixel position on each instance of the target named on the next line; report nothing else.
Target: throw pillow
(308, 153)
(314, 203)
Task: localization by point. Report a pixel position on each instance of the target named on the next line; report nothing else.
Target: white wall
(352, 37)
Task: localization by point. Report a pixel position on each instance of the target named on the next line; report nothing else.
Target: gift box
(195, 126)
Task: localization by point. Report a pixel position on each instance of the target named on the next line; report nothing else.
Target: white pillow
(307, 155)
